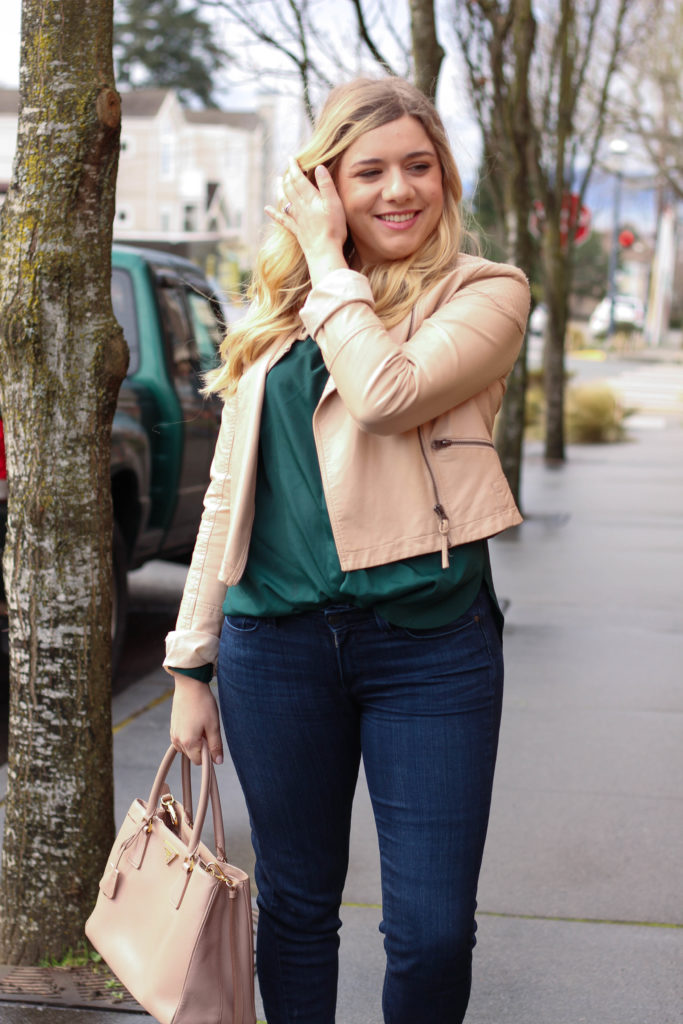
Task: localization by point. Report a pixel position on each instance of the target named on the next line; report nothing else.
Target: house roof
(136, 103)
(147, 103)
(142, 102)
(245, 119)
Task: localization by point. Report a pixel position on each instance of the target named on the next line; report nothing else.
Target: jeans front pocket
(243, 623)
(463, 622)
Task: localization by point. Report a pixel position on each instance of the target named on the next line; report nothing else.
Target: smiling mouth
(398, 218)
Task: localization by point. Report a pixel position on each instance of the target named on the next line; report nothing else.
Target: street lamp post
(618, 147)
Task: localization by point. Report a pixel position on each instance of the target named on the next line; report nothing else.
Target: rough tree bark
(62, 359)
(497, 42)
(566, 67)
(520, 246)
(587, 46)
(428, 53)
(555, 263)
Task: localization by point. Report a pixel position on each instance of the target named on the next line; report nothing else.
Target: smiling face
(390, 184)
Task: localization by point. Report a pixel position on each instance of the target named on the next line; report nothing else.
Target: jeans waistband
(336, 615)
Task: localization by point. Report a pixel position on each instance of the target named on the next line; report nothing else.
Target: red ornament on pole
(573, 218)
(626, 238)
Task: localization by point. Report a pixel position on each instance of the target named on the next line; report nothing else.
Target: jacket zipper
(438, 507)
(451, 442)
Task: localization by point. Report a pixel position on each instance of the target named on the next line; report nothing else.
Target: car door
(196, 429)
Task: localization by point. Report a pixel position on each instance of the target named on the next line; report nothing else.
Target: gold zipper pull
(443, 530)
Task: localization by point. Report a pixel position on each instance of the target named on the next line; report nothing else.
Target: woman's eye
(369, 174)
(419, 168)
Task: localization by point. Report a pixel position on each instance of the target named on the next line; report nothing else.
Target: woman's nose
(397, 186)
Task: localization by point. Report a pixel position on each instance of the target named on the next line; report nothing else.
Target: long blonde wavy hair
(281, 282)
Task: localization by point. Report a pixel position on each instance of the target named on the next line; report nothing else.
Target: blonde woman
(341, 579)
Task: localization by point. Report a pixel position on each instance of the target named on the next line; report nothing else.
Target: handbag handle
(219, 834)
(209, 786)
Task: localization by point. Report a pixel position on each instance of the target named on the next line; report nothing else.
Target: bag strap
(219, 833)
(209, 787)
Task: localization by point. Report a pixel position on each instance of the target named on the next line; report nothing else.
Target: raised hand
(315, 216)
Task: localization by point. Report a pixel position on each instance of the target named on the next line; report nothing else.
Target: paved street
(645, 385)
(581, 895)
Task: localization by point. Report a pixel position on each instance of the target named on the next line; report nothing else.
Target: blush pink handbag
(172, 919)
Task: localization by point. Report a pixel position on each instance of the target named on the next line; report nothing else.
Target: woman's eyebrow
(379, 159)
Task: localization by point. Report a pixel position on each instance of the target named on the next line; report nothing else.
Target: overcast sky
(463, 133)
(9, 42)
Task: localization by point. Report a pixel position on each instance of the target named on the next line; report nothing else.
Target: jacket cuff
(337, 289)
(203, 674)
(187, 648)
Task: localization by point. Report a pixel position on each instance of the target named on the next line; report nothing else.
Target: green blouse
(292, 565)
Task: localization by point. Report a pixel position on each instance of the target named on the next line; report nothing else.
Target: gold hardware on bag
(167, 804)
(169, 852)
(158, 908)
(214, 870)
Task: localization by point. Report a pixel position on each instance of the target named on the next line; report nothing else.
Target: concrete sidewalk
(581, 895)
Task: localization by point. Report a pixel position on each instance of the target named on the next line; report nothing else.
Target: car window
(123, 304)
(208, 330)
(179, 334)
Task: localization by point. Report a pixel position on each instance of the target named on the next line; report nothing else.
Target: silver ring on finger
(287, 208)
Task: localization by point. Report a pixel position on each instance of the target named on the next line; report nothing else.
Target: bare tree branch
(367, 39)
(604, 95)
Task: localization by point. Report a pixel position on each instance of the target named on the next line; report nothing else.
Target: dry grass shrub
(594, 415)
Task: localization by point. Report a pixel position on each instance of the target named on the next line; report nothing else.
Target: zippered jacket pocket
(439, 443)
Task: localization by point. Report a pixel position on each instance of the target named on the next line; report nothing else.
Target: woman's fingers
(296, 184)
(280, 218)
(194, 718)
(282, 214)
(313, 213)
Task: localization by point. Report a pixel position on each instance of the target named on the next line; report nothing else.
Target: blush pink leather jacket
(403, 432)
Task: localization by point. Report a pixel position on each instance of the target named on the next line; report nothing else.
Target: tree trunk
(556, 288)
(555, 262)
(517, 124)
(427, 50)
(510, 426)
(62, 359)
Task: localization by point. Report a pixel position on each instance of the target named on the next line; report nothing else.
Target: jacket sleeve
(470, 340)
(194, 642)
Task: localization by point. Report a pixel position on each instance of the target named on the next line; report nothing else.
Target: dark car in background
(164, 430)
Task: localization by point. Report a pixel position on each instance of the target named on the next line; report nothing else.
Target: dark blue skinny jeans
(302, 699)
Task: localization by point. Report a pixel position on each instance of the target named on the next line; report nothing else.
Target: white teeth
(397, 218)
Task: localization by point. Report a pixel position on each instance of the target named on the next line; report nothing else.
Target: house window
(167, 157)
(165, 221)
(190, 217)
(124, 217)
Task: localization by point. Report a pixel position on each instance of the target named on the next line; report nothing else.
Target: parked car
(164, 431)
(538, 320)
(629, 315)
